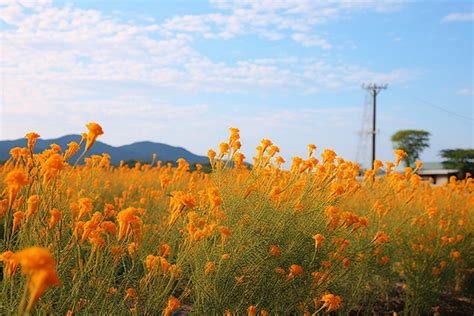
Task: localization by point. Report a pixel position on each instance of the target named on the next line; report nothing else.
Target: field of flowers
(158, 239)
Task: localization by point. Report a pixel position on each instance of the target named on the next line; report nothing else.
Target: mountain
(140, 151)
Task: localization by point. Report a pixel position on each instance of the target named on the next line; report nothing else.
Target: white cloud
(309, 41)
(275, 20)
(459, 17)
(465, 91)
(74, 64)
(61, 54)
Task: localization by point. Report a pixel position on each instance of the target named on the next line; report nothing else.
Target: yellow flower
(95, 130)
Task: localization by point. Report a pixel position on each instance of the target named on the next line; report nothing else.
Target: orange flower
(311, 149)
(400, 154)
(455, 254)
(129, 223)
(17, 218)
(152, 263)
(95, 130)
(9, 264)
(32, 140)
(109, 227)
(295, 270)
(117, 252)
(381, 238)
(55, 218)
(85, 207)
(132, 248)
(39, 267)
(418, 165)
(384, 260)
(442, 264)
(130, 293)
(15, 180)
(225, 233)
(252, 310)
(112, 291)
(318, 240)
(173, 304)
(212, 155)
(377, 165)
(165, 250)
(275, 251)
(209, 267)
(33, 202)
(331, 302)
(223, 149)
(52, 166)
(72, 149)
(280, 270)
(346, 262)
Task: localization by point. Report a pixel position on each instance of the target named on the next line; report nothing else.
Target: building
(436, 172)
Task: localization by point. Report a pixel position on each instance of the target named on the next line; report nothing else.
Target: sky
(183, 72)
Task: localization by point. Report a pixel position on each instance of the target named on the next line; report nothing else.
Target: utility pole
(374, 90)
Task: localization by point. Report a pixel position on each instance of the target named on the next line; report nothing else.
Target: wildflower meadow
(255, 236)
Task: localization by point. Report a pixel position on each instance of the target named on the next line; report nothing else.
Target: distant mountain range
(140, 151)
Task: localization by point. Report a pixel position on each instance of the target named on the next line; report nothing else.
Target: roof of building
(437, 172)
(435, 168)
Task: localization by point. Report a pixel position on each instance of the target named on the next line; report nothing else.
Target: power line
(444, 110)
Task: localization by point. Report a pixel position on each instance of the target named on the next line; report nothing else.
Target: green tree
(460, 159)
(412, 142)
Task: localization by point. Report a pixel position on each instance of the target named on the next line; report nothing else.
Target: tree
(460, 159)
(412, 142)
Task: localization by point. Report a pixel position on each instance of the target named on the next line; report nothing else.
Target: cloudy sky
(183, 72)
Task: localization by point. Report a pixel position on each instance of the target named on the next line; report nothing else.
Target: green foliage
(412, 142)
(460, 159)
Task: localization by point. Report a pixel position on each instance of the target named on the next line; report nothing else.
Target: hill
(140, 151)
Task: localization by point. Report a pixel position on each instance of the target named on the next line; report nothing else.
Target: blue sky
(183, 72)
